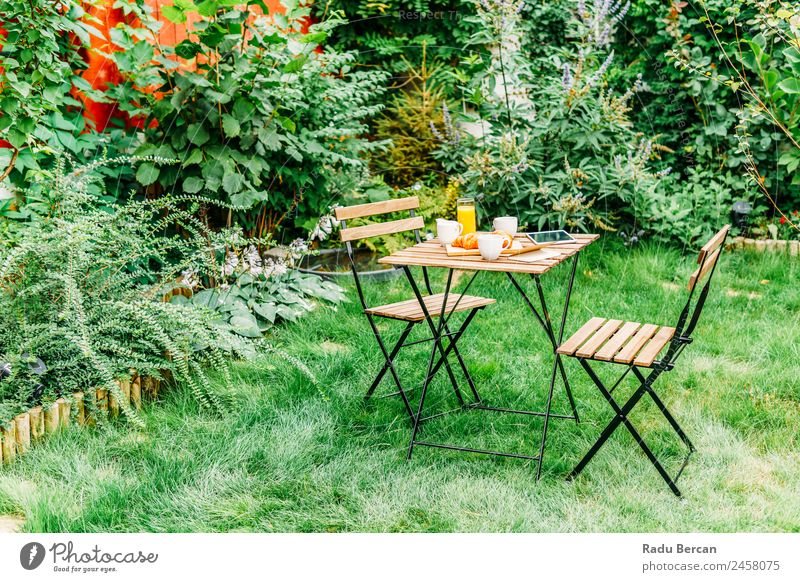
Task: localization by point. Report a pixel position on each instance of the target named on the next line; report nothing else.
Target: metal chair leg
(390, 363)
(622, 418)
(663, 408)
(433, 327)
(392, 356)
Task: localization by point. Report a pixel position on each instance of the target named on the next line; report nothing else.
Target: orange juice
(465, 214)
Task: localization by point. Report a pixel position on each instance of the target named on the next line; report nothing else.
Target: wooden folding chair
(637, 347)
(410, 311)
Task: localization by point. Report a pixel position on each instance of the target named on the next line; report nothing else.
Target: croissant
(467, 241)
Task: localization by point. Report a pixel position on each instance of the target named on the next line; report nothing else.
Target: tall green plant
(756, 57)
(259, 116)
(551, 142)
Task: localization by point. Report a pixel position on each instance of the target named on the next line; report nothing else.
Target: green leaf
(194, 157)
(790, 85)
(207, 298)
(295, 64)
(245, 324)
(287, 124)
(207, 8)
(147, 174)
(243, 109)
(247, 198)
(232, 182)
(270, 138)
(187, 49)
(198, 134)
(173, 14)
(266, 310)
(193, 184)
(315, 38)
(230, 125)
(15, 138)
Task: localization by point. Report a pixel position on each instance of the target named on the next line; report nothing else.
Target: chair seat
(614, 340)
(411, 310)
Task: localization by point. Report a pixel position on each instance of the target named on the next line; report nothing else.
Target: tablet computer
(550, 237)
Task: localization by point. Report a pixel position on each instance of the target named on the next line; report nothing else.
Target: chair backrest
(348, 235)
(707, 263)
(344, 213)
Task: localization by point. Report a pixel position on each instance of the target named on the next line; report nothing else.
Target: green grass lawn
(302, 452)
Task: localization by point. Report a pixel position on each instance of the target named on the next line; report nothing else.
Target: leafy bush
(83, 290)
(553, 144)
(694, 99)
(756, 57)
(390, 35)
(260, 117)
(42, 58)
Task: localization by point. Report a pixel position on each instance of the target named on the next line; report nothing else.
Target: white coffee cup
(490, 246)
(448, 230)
(506, 224)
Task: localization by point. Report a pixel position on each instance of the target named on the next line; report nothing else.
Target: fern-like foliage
(83, 291)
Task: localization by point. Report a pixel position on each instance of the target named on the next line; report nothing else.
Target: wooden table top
(432, 254)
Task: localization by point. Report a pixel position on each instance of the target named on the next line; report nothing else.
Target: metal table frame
(439, 330)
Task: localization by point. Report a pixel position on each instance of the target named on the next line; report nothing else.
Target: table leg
(557, 363)
(436, 337)
(437, 345)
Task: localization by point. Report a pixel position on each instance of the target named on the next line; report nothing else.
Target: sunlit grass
(300, 456)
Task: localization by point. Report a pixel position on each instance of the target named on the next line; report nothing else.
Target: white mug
(448, 230)
(506, 224)
(490, 246)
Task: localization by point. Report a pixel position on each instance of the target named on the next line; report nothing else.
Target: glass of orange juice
(466, 215)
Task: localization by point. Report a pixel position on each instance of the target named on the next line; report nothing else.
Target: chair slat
(649, 352)
(574, 342)
(626, 355)
(613, 345)
(373, 208)
(382, 228)
(713, 243)
(703, 269)
(410, 310)
(588, 349)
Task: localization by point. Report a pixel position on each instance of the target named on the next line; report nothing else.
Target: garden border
(26, 429)
(762, 245)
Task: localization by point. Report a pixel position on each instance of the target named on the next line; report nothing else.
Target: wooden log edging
(765, 245)
(27, 429)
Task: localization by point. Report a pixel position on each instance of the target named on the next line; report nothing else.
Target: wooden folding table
(431, 254)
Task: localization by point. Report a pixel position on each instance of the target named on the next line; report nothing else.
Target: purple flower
(602, 70)
(566, 80)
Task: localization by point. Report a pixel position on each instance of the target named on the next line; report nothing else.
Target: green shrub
(82, 290)
(259, 118)
(42, 57)
(406, 124)
(252, 292)
(556, 145)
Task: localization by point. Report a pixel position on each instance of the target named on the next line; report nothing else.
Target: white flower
(323, 228)
(189, 278)
(275, 268)
(252, 262)
(231, 262)
(297, 249)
